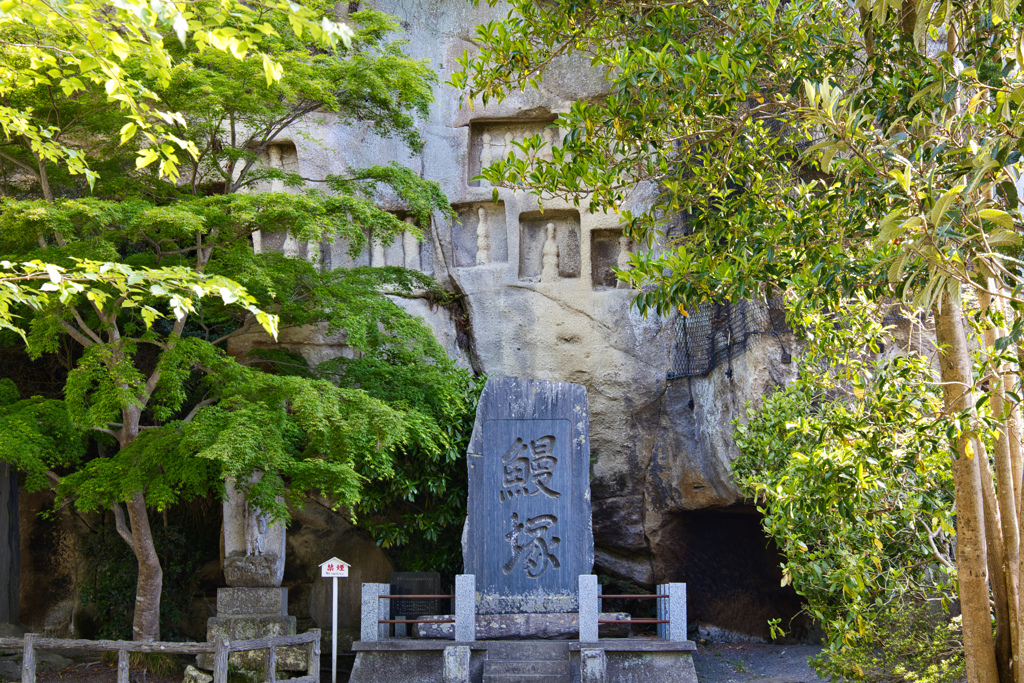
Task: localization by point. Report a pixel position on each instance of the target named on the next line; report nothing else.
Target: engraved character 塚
(533, 538)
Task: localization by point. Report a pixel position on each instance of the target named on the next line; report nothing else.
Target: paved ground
(741, 662)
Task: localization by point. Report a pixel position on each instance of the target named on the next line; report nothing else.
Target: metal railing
(671, 621)
(373, 628)
(220, 649)
(416, 597)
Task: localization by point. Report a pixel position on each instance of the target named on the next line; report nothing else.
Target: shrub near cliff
(849, 467)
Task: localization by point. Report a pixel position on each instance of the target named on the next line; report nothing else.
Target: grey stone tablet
(528, 532)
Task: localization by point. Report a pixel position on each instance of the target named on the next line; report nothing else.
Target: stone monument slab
(528, 533)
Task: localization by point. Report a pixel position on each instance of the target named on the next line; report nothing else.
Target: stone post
(593, 666)
(456, 664)
(672, 608)
(370, 610)
(465, 608)
(383, 609)
(590, 608)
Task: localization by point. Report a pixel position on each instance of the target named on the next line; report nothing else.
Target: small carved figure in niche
(533, 538)
(483, 238)
(377, 253)
(549, 144)
(255, 531)
(622, 260)
(485, 154)
(411, 246)
(549, 270)
(528, 469)
(275, 160)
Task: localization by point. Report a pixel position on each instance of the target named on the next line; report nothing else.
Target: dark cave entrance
(732, 572)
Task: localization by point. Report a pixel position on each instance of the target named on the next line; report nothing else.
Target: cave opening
(733, 575)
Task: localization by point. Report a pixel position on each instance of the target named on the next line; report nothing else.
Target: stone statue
(411, 246)
(485, 154)
(483, 238)
(622, 260)
(549, 271)
(254, 548)
(255, 531)
(376, 253)
(549, 144)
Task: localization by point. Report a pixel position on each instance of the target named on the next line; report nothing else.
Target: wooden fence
(220, 649)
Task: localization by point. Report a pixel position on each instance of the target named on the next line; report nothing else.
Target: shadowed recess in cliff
(732, 574)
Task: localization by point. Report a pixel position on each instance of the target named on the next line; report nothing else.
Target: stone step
(528, 650)
(545, 667)
(526, 678)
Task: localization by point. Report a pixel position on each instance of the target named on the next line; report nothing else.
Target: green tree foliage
(849, 466)
(808, 147)
(95, 51)
(156, 272)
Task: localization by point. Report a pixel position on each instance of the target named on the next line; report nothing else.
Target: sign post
(334, 568)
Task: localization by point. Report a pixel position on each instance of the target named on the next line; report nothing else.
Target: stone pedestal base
(557, 626)
(250, 613)
(637, 660)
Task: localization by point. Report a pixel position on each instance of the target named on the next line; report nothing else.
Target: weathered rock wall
(542, 302)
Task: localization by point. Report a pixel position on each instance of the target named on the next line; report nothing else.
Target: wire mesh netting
(717, 333)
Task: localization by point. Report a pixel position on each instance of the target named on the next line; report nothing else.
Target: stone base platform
(636, 660)
(519, 626)
(245, 613)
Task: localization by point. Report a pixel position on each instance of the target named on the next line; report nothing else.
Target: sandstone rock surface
(659, 449)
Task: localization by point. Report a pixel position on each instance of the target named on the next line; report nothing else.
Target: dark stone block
(528, 532)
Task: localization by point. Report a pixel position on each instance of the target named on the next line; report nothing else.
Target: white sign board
(334, 567)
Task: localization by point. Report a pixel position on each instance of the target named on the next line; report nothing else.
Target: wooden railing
(221, 650)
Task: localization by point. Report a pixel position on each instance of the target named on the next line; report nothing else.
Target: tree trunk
(146, 624)
(997, 567)
(1005, 494)
(971, 560)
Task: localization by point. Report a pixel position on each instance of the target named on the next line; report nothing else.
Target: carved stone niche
(478, 234)
(493, 140)
(283, 155)
(608, 249)
(546, 254)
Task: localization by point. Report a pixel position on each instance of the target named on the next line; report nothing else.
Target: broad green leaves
(112, 286)
(87, 43)
(850, 467)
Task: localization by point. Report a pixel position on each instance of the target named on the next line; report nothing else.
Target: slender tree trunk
(1005, 554)
(997, 568)
(146, 624)
(971, 560)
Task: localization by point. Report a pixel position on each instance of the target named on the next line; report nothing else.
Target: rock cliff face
(542, 302)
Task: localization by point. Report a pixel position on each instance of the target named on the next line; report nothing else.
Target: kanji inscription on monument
(528, 530)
